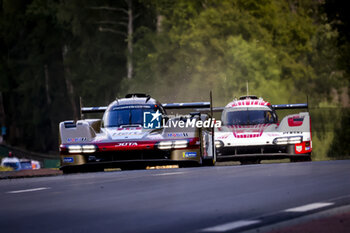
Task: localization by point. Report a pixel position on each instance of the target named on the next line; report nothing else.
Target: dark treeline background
(53, 52)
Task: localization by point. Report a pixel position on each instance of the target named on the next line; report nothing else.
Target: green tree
(205, 43)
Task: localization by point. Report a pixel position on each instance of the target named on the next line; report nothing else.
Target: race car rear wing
(186, 105)
(93, 109)
(166, 106)
(290, 106)
(216, 109)
(276, 107)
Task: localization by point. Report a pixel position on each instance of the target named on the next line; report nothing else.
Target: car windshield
(250, 117)
(128, 115)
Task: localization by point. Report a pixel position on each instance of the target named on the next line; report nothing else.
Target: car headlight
(89, 148)
(166, 145)
(288, 140)
(180, 144)
(75, 149)
(81, 149)
(219, 144)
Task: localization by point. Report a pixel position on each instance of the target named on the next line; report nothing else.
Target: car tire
(250, 161)
(208, 162)
(70, 170)
(301, 159)
(95, 169)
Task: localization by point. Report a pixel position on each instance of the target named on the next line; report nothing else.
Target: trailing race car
(135, 132)
(251, 132)
(20, 164)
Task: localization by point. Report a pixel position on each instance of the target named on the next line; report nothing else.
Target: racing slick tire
(188, 164)
(250, 161)
(301, 159)
(208, 162)
(70, 170)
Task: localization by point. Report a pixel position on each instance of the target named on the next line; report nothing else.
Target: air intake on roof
(252, 97)
(139, 95)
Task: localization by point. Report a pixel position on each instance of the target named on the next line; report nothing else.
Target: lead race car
(135, 132)
(252, 132)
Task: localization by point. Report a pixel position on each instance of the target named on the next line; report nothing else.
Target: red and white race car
(252, 132)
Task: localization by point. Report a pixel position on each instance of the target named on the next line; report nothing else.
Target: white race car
(252, 132)
(125, 137)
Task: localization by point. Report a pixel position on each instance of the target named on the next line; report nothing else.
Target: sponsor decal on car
(307, 148)
(130, 128)
(273, 134)
(248, 131)
(126, 144)
(189, 154)
(299, 148)
(293, 132)
(76, 139)
(223, 136)
(127, 133)
(68, 160)
(177, 134)
(295, 121)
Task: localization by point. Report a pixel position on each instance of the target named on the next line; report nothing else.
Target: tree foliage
(279, 47)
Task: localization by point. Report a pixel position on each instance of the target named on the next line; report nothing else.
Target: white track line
(309, 207)
(242, 223)
(230, 226)
(29, 190)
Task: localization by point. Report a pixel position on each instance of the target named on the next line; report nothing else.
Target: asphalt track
(207, 199)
